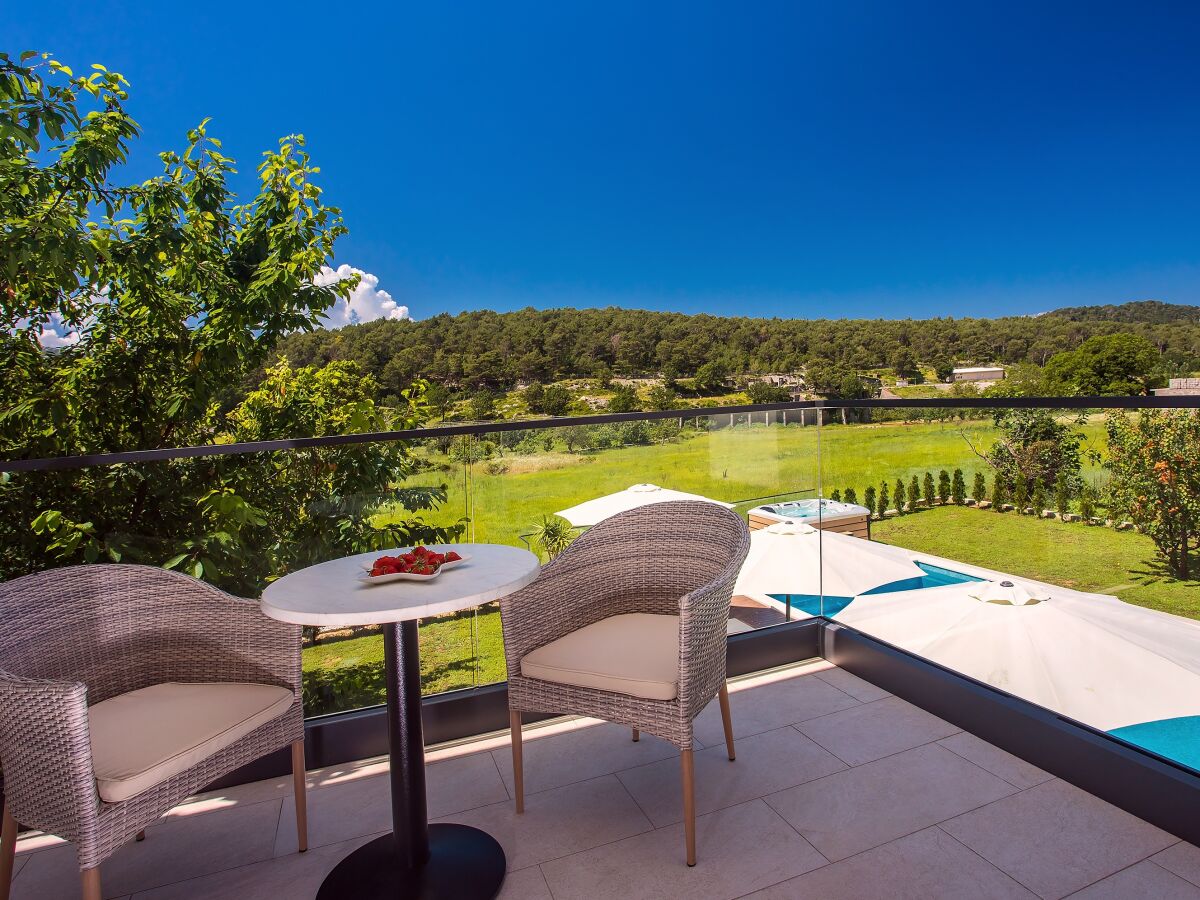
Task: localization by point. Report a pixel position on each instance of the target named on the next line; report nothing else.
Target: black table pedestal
(417, 860)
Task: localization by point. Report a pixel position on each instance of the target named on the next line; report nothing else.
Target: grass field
(742, 465)
(1087, 558)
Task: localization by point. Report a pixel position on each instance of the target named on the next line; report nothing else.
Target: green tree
(762, 392)
(711, 377)
(943, 366)
(1062, 494)
(624, 399)
(1087, 502)
(1021, 492)
(914, 492)
(943, 487)
(1038, 500)
(556, 400)
(1036, 445)
(836, 496)
(884, 500)
(175, 295)
(851, 496)
(1154, 457)
(929, 490)
(958, 487)
(904, 363)
(979, 489)
(999, 492)
(1104, 365)
(869, 499)
(535, 396)
(482, 406)
(900, 497)
(662, 397)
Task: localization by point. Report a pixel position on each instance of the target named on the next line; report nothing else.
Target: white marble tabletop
(331, 593)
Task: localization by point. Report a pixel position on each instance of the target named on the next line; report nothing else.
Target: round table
(417, 859)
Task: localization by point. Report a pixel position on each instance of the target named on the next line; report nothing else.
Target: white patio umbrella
(794, 558)
(1077, 654)
(588, 513)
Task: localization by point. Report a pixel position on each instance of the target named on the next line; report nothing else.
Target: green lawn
(457, 651)
(1087, 558)
(742, 465)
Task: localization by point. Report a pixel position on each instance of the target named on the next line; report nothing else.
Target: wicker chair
(218, 686)
(629, 625)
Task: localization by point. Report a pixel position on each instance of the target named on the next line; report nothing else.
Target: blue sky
(791, 159)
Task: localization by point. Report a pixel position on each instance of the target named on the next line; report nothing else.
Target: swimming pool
(809, 510)
(933, 576)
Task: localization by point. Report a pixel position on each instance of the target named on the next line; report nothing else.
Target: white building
(979, 373)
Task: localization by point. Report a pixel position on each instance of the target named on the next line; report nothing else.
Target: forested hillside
(489, 349)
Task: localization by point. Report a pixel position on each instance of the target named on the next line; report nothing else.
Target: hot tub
(830, 515)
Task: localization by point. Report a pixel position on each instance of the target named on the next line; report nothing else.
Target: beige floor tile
(526, 884)
(858, 688)
(560, 821)
(928, 865)
(875, 730)
(1145, 881)
(1183, 859)
(863, 807)
(174, 850)
(283, 878)
(363, 806)
(766, 763)
(1055, 838)
(580, 755)
(738, 850)
(770, 706)
(1004, 765)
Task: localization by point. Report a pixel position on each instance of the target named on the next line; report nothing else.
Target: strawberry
(452, 557)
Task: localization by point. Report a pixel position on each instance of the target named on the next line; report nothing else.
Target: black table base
(417, 860)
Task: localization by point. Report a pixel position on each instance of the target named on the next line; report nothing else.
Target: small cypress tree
(1021, 492)
(979, 492)
(914, 491)
(929, 489)
(884, 500)
(851, 496)
(1062, 494)
(836, 496)
(869, 498)
(958, 487)
(999, 492)
(900, 495)
(943, 486)
(1039, 497)
(1087, 502)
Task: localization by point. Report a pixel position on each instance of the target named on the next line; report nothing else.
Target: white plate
(367, 578)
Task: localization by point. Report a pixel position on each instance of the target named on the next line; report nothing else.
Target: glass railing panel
(1043, 556)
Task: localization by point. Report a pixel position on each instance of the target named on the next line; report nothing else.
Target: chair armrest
(46, 752)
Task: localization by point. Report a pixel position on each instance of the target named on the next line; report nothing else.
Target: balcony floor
(840, 790)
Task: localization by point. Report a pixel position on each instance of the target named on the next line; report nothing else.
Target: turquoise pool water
(934, 576)
(1177, 739)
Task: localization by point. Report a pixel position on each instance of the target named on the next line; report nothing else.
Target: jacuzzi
(832, 515)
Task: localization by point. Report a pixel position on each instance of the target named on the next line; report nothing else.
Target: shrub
(958, 487)
(900, 495)
(1021, 492)
(1062, 494)
(943, 487)
(1039, 498)
(929, 489)
(851, 496)
(1087, 501)
(836, 496)
(884, 500)
(496, 467)
(999, 492)
(979, 491)
(869, 498)
(914, 491)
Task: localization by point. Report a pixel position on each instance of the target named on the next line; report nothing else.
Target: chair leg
(91, 883)
(8, 849)
(726, 721)
(514, 725)
(689, 804)
(140, 836)
(637, 735)
(301, 794)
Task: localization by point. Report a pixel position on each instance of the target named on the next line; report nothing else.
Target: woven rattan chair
(628, 624)
(198, 659)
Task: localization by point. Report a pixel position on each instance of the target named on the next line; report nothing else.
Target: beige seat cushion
(635, 654)
(142, 738)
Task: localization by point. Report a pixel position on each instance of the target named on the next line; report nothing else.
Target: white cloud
(365, 304)
(57, 334)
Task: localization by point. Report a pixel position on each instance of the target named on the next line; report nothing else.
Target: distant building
(979, 373)
(1180, 387)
